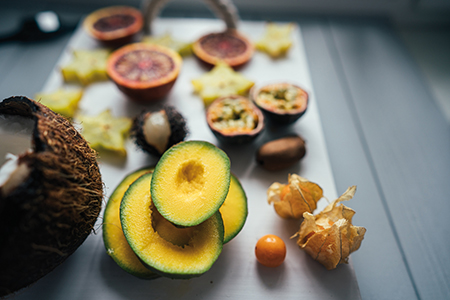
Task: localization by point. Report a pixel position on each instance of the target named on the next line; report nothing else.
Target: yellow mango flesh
(171, 251)
(234, 210)
(191, 182)
(115, 242)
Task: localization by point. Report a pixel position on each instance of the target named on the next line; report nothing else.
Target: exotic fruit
(156, 131)
(115, 25)
(330, 237)
(50, 197)
(234, 119)
(292, 200)
(282, 103)
(230, 47)
(144, 72)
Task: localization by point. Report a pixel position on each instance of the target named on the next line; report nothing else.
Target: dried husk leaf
(330, 237)
(301, 197)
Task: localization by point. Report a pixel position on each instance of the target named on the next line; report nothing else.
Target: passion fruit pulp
(114, 25)
(144, 72)
(235, 119)
(228, 46)
(282, 103)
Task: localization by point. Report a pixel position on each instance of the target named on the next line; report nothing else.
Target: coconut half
(50, 196)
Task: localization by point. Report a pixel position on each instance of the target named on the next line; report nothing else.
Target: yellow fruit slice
(116, 244)
(105, 132)
(221, 81)
(62, 101)
(183, 48)
(276, 40)
(86, 67)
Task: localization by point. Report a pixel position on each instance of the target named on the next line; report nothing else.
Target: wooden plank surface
(406, 141)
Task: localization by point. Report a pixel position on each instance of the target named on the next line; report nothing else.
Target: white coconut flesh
(157, 131)
(15, 137)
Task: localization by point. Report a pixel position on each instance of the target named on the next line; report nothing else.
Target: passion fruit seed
(234, 115)
(144, 65)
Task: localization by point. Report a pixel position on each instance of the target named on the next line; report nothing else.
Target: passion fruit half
(144, 72)
(234, 119)
(115, 25)
(228, 46)
(282, 103)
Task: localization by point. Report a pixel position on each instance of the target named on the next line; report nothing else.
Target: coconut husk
(178, 129)
(50, 214)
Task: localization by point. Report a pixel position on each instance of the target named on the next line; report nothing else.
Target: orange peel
(330, 237)
(292, 200)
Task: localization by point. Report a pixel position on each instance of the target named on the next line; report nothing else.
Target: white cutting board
(91, 274)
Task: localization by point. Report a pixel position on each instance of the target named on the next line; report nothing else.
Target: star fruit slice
(183, 48)
(221, 81)
(330, 237)
(62, 101)
(105, 132)
(86, 67)
(276, 40)
(291, 200)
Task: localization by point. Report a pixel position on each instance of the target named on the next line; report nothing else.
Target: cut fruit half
(115, 242)
(115, 25)
(169, 251)
(190, 182)
(144, 72)
(235, 119)
(282, 103)
(234, 210)
(228, 46)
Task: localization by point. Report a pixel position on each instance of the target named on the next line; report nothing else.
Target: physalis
(105, 132)
(87, 66)
(222, 80)
(330, 237)
(62, 101)
(276, 40)
(295, 198)
(183, 48)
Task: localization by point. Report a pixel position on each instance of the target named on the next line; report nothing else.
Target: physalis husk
(183, 48)
(293, 199)
(105, 132)
(330, 237)
(86, 67)
(62, 101)
(276, 40)
(222, 80)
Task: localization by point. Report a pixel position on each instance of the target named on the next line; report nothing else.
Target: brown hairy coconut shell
(176, 122)
(49, 214)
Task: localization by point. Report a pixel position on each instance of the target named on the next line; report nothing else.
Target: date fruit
(281, 153)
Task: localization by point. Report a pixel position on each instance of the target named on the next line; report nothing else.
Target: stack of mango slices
(173, 220)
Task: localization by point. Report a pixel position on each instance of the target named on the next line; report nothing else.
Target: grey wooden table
(384, 133)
